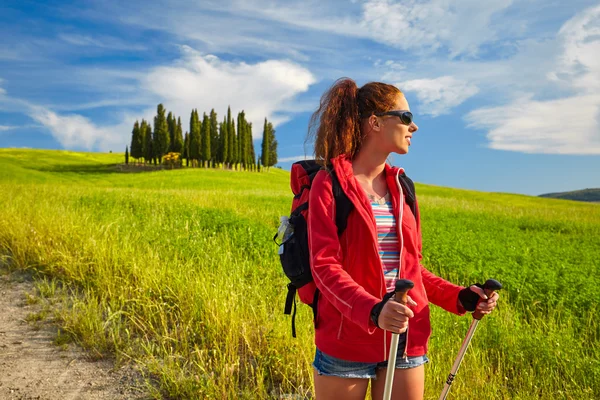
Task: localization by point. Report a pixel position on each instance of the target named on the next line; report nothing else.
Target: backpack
(293, 251)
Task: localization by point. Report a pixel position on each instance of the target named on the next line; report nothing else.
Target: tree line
(207, 143)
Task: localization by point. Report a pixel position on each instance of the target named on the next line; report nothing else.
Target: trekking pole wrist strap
(376, 310)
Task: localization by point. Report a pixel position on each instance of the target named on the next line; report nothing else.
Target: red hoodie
(349, 274)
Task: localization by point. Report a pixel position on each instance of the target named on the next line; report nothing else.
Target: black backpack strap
(314, 305)
(290, 301)
(343, 205)
(409, 189)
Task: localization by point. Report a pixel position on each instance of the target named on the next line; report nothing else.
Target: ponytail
(335, 126)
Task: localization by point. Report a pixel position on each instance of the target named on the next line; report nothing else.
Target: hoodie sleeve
(441, 292)
(330, 277)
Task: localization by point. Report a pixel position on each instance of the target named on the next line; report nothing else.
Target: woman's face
(394, 135)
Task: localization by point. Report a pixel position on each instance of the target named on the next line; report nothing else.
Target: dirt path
(33, 368)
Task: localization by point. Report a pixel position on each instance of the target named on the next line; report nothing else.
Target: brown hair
(335, 126)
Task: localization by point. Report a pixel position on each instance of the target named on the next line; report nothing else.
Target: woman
(355, 130)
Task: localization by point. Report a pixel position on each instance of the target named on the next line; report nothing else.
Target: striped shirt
(387, 240)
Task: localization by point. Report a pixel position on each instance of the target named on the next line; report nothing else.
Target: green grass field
(176, 271)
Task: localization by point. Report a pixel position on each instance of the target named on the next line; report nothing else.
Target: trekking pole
(401, 293)
(488, 287)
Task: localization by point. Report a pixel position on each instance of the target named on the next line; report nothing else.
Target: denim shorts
(331, 366)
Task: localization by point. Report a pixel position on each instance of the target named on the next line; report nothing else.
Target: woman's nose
(413, 127)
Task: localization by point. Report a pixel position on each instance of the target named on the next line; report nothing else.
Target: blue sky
(506, 93)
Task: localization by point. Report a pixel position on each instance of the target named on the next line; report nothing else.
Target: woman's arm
(441, 292)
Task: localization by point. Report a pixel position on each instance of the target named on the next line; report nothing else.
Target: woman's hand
(394, 316)
(474, 298)
(486, 305)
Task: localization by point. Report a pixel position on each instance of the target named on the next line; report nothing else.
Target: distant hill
(591, 195)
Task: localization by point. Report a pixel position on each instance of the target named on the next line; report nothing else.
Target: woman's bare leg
(335, 388)
(409, 384)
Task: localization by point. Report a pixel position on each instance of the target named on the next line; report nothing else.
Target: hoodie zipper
(399, 227)
(370, 212)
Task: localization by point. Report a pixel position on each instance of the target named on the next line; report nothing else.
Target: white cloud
(12, 127)
(564, 125)
(438, 96)
(294, 158)
(78, 132)
(579, 63)
(459, 27)
(104, 42)
(264, 89)
(296, 28)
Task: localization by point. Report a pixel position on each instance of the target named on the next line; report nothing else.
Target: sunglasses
(405, 116)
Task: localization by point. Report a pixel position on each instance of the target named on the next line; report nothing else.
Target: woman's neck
(369, 165)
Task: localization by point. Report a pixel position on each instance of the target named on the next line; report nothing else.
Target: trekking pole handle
(401, 290)
(489, 287)
(401, 296)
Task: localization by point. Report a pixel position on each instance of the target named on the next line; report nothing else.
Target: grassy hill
(591, 195)
(177, 271)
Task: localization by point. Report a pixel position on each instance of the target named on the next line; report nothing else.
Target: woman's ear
(374, 123)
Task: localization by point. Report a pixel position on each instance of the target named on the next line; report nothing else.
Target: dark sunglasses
(405, 116)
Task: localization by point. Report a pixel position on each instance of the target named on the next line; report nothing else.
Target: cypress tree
(265, 145)
(142, 143)
(241, 129)
(226, 138)
(126, 155)
(224, 141)
(178, 137)
(148, 144)
(136, 141)
(161, 134)
(236, 153)
(194, 140)
(186, 149)
(206, 156)
(222, 130)
(214, 137)
(199, 136)
(272, 146)
(171, 127)
(190, 138)
(250, 143)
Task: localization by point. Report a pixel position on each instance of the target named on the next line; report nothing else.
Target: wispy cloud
(295, 158)
(563, 125)
(434, 24)
(78, 132)
(579, 63)
(438, 96)
(104, 42)
(4, 128)
(409, 25)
